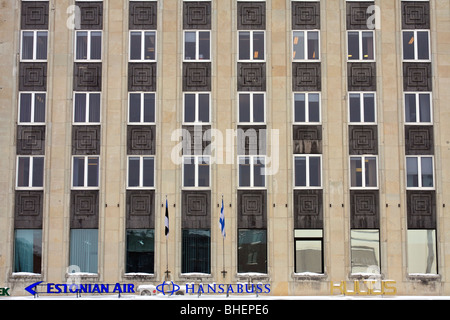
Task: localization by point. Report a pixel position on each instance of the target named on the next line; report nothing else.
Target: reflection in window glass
(189, 172)
(140, 255)
(244, 45)
(27, 250)
(252, 250)
(365, 250)
(422, 253)
(84, 249)
(308, 251)
(196, 251)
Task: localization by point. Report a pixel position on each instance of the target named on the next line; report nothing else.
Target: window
(252, 171)
(416, 45)
(362, 107)
(88, 45)
(422, 253)
(363, 172)
(141, 172)
(32, 107)
(84, 249)
(141, 108)
(142, 46)
(196, 107)
(85, 172)
(251, 45)
(27, 250)
(308, 171)
(30, 172)
(196, 171)
(419, 172)
(308, 251)
(140, 255)
(307, 108)
(365, 250)
(86, 109)
(34, 45)
(418, 108)
(360, 45)
(306, 45)
(252, 108)
(196, 251)
(197, 45)
(252, 250)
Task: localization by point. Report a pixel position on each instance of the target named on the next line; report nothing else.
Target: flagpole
(223, 238)
(167, 239)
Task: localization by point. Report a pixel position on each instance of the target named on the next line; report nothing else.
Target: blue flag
(166, 221)
(222, 221)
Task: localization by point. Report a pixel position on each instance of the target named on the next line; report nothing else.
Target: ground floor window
(252, 250)
(196, 251)
(422, 253)
(308, 250)
(140, 250)
(365, 250)
(28, 250)
(84, 249)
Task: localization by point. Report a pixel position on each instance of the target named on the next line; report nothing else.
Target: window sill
(309, 276)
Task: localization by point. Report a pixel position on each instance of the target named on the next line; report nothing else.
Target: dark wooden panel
(365, 209)
(34, 15)
(306, 76)
(363, 140)
(252, 209)
(143, 15)
(417, 76)
(140, 209)
(84, 209)
(28, 210)
(33, 76)
(30, 140)
(86, 140)
(419, 140)
(251, 140)
(196, 76)
(415, 14)
(196, 209)
(142, 76)
(251, 15)
(421, 209)
(251, 76)
(308, 209)
(305, 15)
(141, 140)
(307, 139)
(357, 15)
(362, 76)
(197, 15)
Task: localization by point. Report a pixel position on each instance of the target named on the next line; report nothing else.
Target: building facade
(316, 128)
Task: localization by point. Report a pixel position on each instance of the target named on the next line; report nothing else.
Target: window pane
(78, 171)
(39, 107)
(150, 46)
(244, 45)
(314, 107)
(23, 172)
(258, 45)
(140, 250)
(204, 45)
(412, 172)
(82, 39)
(92, 172)
(367, 43)
(244, 172)
(84, 249)
(189, 45)
(203, 172)
(299, 45)
(94, 107)
(135, 107)
(189, 107)
(300, 171)
(423, 49)
(408, 45)
(244, 107)
(149, 172)
(365, 250)
(96, 45)
(258, 107)
(189, 172)
(353, 45)
(196, 251)
(410, 107)
(41, 45)
(422, 254)
(314, 172)
(38, 172)
(369, 107)
(80, 107)
(299, 107)
(313, 45)
(355, 107)
(425, 107)
(133, 172)
(149, 107)
(308, 256)
(427, 171)
(135, 45)
(25, 107)
(27, 250)
(27, 44)
(259, 172)
(371, 171)
(203, 107)
(252, 251)
(356, 171)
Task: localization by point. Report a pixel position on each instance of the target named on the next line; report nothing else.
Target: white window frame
(419, 172)
(34, 45)
(89, 36)
(251, 107)
(252, 161)
(197, 46)
(307, 94)
(360, 46)
(363, 172)
(87, 122)
(197, 112)
(30, 173)
(416, 47)
(362, 107)
(305, 46)
(33, 105)
(417, 94)
(85, 178)
(142, 53)
(308, 180)
(141, 171)
(251, 58)
(196, 175)
(142, 96)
